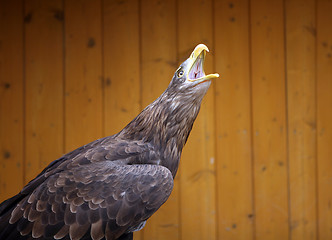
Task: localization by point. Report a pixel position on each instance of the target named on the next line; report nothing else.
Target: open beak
(196, 72)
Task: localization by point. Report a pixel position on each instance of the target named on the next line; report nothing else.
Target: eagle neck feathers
(165, 124)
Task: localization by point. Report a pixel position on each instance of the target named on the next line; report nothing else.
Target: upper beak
(198, 50)
(197, 58)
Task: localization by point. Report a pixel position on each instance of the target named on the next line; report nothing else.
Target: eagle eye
(180, 73)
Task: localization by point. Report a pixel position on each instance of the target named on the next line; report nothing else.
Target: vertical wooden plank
(44, 84)
(233, 120)
(301, 92)
(159, 53)
(83, 73)
(324, 117)
(121, 63)
(121, 57)
(158, 62)
(11, 98)
(197, 167)
(269, 119)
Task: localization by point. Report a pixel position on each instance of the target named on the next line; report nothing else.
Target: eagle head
(190, 77)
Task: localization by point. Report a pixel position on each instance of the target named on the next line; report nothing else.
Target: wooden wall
(258, 163)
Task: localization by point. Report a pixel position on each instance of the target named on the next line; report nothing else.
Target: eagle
(107, 189)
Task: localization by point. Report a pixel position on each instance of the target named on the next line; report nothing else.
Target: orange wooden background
(258, 163)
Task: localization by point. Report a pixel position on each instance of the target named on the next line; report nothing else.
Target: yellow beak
(199, 55)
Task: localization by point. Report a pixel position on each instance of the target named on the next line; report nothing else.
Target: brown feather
(41, 206)
(62, 232)
(37, 229)
(97, 232)
(16, 214)
(77, 231)
(69, 217)
(27, 228)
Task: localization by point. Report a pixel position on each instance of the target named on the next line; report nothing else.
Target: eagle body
(108, 188)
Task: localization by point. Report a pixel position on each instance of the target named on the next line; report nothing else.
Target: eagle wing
(84, 196)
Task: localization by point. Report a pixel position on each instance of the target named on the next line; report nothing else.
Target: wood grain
(233, 121)
(269, 120)
(324, 118)
(11, 98)
(83, 73)
(301, 98)
(44, 84)
(121, 63)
